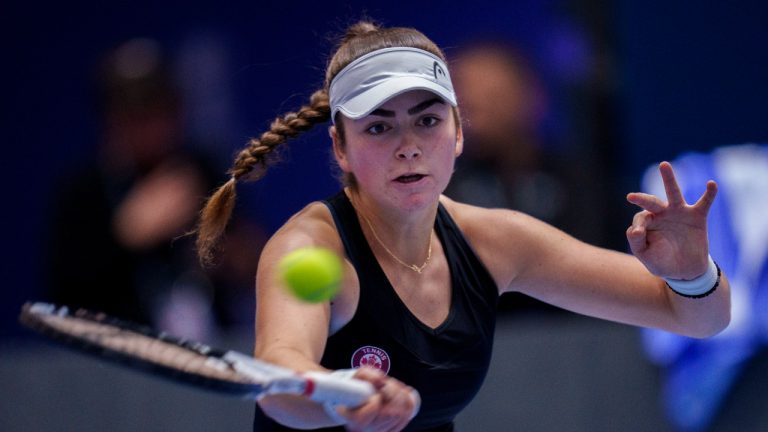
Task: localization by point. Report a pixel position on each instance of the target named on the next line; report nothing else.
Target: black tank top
(446, 364)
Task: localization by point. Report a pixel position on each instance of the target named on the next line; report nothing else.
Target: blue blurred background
(631, 83)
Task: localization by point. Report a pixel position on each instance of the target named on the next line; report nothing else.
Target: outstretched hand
(670, 237)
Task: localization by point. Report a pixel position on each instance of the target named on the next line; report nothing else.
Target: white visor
(378, 76)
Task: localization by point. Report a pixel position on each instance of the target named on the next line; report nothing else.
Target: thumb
(637, 239)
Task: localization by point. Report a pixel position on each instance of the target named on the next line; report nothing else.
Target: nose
(408, 150)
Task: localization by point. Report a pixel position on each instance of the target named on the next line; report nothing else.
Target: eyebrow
(411, 111)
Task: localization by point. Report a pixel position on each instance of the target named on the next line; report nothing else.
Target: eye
(377, 129)
(429, 121)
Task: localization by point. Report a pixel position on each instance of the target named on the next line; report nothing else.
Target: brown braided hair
(252, 162)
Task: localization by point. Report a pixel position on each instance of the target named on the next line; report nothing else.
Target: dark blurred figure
(503, 104)
(114, 245)
(234, 275)
(507, 161)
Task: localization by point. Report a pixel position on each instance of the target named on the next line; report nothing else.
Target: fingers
(636, 233)
(647, 202)
(674, 195)
(372, 375)
(360, 418)
(397, 409)
(707, 198)
(390, 409)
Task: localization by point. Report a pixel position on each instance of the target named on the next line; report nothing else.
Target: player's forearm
(288, 357)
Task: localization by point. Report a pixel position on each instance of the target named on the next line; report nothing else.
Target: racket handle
(338, 389)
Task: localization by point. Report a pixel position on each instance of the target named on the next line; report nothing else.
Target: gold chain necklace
(414, 267)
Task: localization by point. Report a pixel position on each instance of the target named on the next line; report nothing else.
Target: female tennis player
(423, 272)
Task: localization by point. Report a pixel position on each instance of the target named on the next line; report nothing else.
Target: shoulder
(472, 217)
(311, 226)
(484, 225)
(504, 240)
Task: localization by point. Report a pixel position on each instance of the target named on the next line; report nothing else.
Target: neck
(407, 236)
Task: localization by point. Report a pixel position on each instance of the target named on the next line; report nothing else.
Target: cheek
(448, 157)
(449, 147)
(367, 165)
(363, 163)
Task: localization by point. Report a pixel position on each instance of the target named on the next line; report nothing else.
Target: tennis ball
(312, 274)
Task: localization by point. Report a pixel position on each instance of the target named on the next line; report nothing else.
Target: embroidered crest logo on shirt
(371, 356)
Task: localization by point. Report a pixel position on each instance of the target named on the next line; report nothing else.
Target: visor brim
(367, 101)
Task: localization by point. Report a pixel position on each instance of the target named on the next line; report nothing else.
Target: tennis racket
(185, 361)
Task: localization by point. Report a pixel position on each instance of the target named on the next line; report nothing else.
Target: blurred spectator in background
(117, 243)
(700, 373)
(507, 161)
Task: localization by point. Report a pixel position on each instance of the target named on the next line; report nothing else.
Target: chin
(417, 200)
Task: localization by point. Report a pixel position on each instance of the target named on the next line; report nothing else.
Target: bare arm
(289, 332)
(668, 240)
(293, 333)
(618, 287)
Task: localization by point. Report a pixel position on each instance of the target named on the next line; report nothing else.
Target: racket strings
(174, 354)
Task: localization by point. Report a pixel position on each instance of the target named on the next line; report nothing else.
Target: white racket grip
(339, 388)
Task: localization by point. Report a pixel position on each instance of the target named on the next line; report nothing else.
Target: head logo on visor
(378, 76)
(438, 71)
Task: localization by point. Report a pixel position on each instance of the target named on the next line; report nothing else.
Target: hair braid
(250, 164)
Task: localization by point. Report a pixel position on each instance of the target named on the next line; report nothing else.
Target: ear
(338, 149)
(459, 141)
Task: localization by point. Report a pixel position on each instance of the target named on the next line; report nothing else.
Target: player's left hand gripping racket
(186, 361)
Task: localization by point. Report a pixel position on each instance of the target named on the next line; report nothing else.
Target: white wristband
(699, 287)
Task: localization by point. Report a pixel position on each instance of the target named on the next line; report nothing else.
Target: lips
(409, 178)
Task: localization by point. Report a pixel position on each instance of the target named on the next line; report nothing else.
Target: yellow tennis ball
(312, 274)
